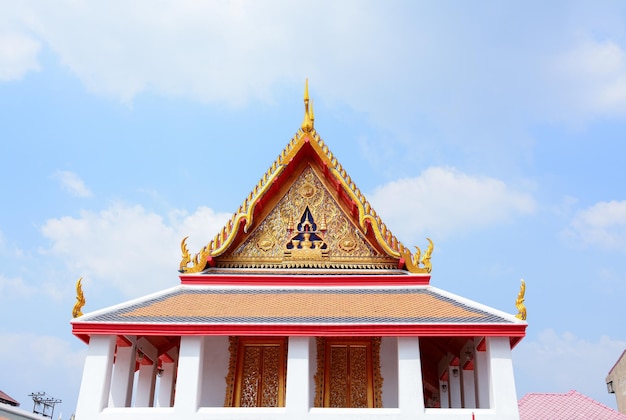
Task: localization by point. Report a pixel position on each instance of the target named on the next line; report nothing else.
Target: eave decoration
(80, 299)
(367, 222)
(519, 302)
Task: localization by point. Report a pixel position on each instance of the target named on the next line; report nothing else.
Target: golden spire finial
(80, 299)
(519, 303)
(307, 124)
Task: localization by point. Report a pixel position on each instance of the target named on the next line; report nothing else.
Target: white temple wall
(123, 375)
(389, 370)
(190, 375)
(503, 396)
(95, 386)
(297, 402)
(215, 370)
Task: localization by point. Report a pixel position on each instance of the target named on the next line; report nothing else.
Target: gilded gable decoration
(308, 241)
(360, 227)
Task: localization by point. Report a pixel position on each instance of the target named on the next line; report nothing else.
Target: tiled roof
(7, 399)
(211, 305)
(569, 406)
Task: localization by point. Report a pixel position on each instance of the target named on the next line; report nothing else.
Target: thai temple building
(304, 306)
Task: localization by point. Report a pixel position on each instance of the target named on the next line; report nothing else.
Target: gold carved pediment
(307, 227)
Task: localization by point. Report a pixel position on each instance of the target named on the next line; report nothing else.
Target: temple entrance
(348, 373)
(259, 373)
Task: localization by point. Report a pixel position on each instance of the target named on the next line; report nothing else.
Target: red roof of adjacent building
(570, 406)
(4, 398)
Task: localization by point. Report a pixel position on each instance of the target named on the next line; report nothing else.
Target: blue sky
(495, 128)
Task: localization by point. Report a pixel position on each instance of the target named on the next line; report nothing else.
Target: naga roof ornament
(519, 302)
(294, 227)
(80, 299)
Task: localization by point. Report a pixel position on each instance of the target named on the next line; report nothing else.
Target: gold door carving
(257, 372)
(348, 373)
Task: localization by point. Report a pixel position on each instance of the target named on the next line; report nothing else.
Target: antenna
(43, 404)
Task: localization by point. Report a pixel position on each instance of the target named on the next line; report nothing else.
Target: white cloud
(561, 362)
(214, 51)
(443, 201)
(14, 287)
(128, 247)
(592, 77)
(18, 55)
(602, 225)
(72, 183)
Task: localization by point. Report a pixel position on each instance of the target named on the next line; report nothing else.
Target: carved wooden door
(260, 373)
(348, 376)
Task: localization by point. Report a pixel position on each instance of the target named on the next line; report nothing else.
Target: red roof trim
(306, 280)
(433, 330)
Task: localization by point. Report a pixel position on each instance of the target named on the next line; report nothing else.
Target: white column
(144, 396)
(123, 373)
(214, 369)
(297, 385)
(410, 388)
(502, 390)
(454, 386)
(167, 381)
(469, 394)
(146, 379)
(96, 382)
(481, 375)
(444, 394)
(189, 381)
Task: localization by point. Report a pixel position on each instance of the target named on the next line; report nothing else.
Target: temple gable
(306, 228)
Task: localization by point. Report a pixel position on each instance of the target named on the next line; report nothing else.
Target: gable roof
(569, 406)
(306, 155)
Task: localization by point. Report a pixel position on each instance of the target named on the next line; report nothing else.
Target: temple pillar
(297, 381)
(146, 380)
(454, 384)
(190, 373)
(503, 396)
(123, 375)
(444, 395)
(481, 373)
(468, 381)
(96, 383)
(410, 388)
(214, 369)
(167, 380)
(469, 394)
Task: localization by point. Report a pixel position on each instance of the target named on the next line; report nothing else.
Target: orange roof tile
(306, 306)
